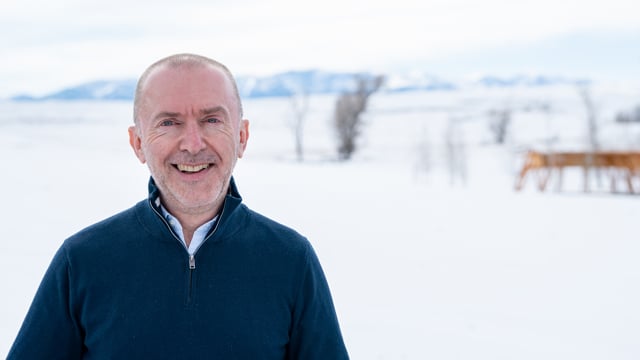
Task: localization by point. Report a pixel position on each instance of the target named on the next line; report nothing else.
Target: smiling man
(189, 130)
(190, 272)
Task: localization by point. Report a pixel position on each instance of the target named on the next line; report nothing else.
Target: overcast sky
(46, 45)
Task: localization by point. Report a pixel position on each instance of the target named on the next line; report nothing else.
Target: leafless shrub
(591, 116)
(423, 163)
(348, 114)
(626, 117)
(300, 107)
(499, 121)
(455, 152)
(592, 127)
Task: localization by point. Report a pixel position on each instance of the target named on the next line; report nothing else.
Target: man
(191, 272)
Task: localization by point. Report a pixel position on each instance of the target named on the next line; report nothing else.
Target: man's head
(189, 130)
(175, 61)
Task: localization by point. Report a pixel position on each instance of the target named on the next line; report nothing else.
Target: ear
(244, 137)
(136, 144)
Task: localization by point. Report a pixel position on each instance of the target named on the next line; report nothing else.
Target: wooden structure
(618, 165)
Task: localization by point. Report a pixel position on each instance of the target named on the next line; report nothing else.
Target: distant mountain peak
(305, 81)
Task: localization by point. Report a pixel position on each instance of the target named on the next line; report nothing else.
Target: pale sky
(46, 45)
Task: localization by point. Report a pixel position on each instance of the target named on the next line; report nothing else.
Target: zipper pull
(192, 261)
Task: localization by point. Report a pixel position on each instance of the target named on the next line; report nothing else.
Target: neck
(192, 219)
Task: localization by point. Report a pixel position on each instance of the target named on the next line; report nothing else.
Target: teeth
(192, 168)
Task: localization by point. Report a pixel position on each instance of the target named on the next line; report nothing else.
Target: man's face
(190, 134)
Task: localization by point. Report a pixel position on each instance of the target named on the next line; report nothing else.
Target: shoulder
(262, 232)
(268, 226)
(119, 227)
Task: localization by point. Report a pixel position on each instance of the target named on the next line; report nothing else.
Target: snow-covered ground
(423, 263)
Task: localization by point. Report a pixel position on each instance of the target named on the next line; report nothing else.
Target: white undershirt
(198, 235)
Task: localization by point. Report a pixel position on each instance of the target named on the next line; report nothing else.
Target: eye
(212, 120)
(167, 122)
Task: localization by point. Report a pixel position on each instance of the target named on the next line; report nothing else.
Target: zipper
(192, 267)
(192, 257)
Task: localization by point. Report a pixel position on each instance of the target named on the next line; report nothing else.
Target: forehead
(175, 88)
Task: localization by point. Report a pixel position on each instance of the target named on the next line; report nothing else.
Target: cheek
(157, 145)
(221, 141)
(152, 152)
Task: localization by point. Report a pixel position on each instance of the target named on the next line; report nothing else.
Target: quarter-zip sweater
(125, 288)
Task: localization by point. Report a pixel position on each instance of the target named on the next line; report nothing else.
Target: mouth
(191, 169)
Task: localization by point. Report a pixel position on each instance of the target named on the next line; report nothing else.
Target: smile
(191, 168)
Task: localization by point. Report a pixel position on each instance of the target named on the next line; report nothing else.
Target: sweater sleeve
(315, 331)
(49, 330)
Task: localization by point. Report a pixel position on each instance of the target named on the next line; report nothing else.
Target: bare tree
(592, 129)
(551, 138)
(423, 154)
(300, 107)
(499, 122)
(348, 114)
(626, 117)
(455, 152)
(629, 119)
(592, 119)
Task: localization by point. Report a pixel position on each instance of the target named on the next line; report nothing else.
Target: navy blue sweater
(125, 288)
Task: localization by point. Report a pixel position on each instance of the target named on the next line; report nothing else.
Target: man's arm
(49, 330)
(315, 331)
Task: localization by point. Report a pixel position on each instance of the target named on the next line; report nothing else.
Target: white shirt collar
(198, 236)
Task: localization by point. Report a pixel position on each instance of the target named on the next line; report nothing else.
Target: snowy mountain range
(297, 82)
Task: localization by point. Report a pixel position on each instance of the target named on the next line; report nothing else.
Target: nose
(192, 138)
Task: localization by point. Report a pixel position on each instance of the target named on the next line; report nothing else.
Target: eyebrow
(213, 110)
(203, 112)
(166, 114)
